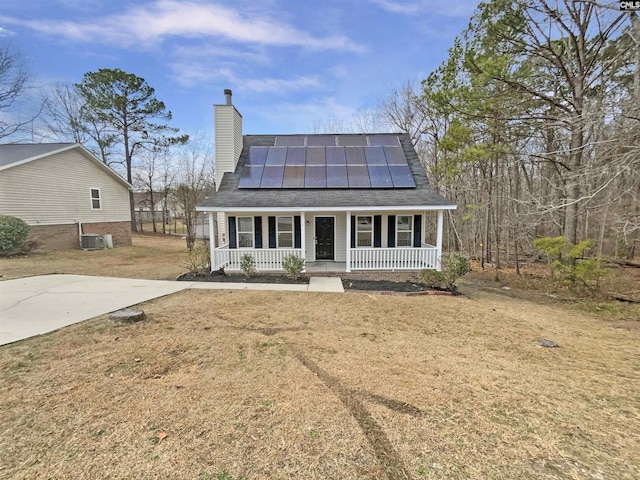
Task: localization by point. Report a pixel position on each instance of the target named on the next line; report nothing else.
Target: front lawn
(259, 385)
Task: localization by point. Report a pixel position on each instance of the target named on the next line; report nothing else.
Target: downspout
(79, 232)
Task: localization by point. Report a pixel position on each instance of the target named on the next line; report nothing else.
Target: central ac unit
(91, 241)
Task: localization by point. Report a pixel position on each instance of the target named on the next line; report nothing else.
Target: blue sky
(290, 63)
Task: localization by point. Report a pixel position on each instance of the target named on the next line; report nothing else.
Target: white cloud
(193, 74)
(6, 33)
(460, 8)
(154, 22)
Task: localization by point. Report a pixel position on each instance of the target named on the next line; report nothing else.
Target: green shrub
(453, 265)
(13, 234)
(248, 265)
(568, 265)
(199, 259)
(293, 265)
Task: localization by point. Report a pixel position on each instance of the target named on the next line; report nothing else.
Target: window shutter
(272, 232)
(377, 231)
(353, 231)
(257, 230)
(232, 232)
(297, 233)
(417, 230)
(391, 231)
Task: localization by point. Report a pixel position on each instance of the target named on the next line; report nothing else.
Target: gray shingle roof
(229, 195)
(15, 153)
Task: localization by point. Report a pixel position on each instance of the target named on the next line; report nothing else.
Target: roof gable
(13, 155)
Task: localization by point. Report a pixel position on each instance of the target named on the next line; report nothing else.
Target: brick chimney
(227, 137)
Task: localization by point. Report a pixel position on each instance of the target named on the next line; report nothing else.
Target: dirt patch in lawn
(301, 385)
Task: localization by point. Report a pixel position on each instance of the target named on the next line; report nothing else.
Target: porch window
(96, 204)
(245, 232)
(364, 232)
(284, 229)
(404, 230)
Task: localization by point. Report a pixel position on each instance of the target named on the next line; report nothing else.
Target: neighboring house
(142, 207)
(61, 190)
(348, 202)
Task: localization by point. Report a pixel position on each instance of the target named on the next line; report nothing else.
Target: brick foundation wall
(65, 237)
(54, 237)
(121, 231)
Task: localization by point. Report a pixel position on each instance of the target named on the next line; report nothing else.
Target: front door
(324, 238)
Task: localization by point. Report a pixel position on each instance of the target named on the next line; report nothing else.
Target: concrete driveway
(36, 305)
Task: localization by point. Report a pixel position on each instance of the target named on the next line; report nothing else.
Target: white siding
(228, 140)
(56, 190)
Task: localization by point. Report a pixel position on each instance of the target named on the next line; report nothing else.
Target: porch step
(325, 284)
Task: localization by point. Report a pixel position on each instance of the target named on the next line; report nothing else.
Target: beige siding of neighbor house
(57, 190)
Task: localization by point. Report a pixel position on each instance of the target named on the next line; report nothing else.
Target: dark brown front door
(324, 238)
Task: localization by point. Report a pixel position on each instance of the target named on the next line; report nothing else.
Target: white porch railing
(394, 258)
(265, 258)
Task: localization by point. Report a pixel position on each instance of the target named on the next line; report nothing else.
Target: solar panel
(336, 156)
(272, 177)
(316, 156)
(314, 161)
(250, 177)
(296, 156)
(384, 139)
(321, 141)
(276, 156)
(293, 176)
(355, 156)
(401, 176)
(380, 176)
(315, 177)
(257, 156)
(375, 156)
(337, 176)
(358, 176)
(352, 140)
(290, 141)
(395, 156)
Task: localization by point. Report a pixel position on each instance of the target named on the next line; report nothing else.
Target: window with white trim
(364, 231)
(96, 203)
(284, 232)
(404, 231)
(244, 225)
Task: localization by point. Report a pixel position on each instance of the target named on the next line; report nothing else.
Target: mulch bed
(239, 278)
(366, 285)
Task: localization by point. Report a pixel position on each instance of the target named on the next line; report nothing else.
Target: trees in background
(126, 104)
(531, 126)
(194, 181)
(13, 85)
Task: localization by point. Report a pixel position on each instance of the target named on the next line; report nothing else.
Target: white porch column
(212, 242)
(303, 239)
(348, 243)
(439, 240)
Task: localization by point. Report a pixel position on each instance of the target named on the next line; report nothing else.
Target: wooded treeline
(532, 127)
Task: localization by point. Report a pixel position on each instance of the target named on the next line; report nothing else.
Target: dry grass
(154, 257)
(292, 385)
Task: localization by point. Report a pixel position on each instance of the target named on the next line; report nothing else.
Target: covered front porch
(328, 240)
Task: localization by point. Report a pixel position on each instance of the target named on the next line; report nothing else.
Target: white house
(61, 190)
(344, 202)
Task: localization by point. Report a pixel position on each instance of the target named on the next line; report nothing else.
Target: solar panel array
(328, 161)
